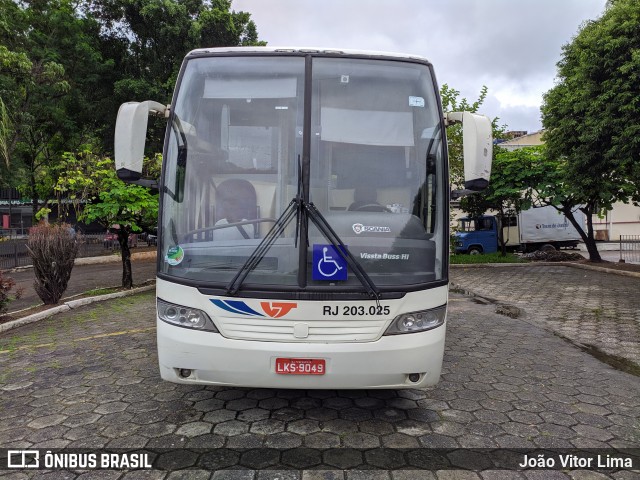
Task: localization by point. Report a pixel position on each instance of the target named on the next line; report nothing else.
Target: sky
(511, 46)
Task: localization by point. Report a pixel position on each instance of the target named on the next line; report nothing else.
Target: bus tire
(475, 250)
(547, 247)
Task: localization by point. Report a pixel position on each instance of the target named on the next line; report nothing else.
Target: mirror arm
(451, 118)
(149, 183)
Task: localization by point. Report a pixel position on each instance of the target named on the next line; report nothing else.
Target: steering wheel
(186, 236)
(371, 207)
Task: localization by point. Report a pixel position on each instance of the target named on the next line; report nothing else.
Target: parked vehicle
(111, 240)
(542, 228)
(150, 238)
(257, 285)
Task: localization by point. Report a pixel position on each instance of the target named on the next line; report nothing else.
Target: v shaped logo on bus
(272, 309)
(277, 309)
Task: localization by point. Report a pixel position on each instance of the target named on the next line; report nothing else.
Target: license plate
(300, 366)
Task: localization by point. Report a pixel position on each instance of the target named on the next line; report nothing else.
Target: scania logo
(272, 309)
(358, 228)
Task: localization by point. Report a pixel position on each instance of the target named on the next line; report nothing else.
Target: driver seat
(365, 199)
(236, 200)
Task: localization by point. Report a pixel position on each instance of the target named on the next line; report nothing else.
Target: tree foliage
(452, 103)
(100, 196)
(555, 186)
(513, 173)
(592, 118)
(50, 80)
(148, 40)
(6, 285)
(65, 67)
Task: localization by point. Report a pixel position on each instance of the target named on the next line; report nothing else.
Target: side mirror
(477, 147)
(130, 137)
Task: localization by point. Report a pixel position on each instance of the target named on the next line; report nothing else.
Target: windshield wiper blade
(329, 233)
(296, 208)
(258, 254)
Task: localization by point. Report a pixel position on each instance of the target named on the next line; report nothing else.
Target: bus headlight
(185, 316)
(417, 321)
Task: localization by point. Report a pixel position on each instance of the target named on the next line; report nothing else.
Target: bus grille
(324, 331)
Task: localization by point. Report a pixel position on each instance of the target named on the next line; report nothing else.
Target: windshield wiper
(294, 208)
(258, 254)
(297, 208)
(329, 233)
(302, 210)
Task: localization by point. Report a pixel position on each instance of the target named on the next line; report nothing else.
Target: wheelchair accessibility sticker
(328, 264)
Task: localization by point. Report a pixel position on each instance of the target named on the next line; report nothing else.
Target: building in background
(525, 140)
(15, 213)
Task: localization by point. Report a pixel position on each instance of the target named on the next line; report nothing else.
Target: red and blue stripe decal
(236, 306)
(272, 309)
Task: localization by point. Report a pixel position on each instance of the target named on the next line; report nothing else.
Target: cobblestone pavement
(596, 310)
(88, 379)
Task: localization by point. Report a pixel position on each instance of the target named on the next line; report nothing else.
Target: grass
(56, 329)
(463, 259)
(102, 291)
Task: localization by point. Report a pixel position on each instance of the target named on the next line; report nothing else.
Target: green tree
(557, 185)
(30, 92)
(51, 86)
(592, 119)
(452, 103)
(509, 192)
(149, 39)
(99, 196)
(6, 131)
(131, 207)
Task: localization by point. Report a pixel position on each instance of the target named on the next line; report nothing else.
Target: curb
(606, 270)
(548, 264)
(95, 260)
(70, 305)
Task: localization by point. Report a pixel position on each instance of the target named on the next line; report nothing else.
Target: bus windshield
(358, 138)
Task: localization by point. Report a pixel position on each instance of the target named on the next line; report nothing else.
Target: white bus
(304, 228)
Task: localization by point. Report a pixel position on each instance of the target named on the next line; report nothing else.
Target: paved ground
(88, 378)
(83, 278)
(610, 251)
(598, 311)
(614, 256)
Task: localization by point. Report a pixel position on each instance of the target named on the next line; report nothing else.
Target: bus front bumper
(211, 359)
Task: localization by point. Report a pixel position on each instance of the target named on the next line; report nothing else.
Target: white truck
(542, 228)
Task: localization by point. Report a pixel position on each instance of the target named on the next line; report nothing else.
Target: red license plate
(300, 366)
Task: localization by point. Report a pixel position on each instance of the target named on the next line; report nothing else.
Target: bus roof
(327, 51)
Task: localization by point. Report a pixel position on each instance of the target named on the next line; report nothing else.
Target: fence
(630, 248)
(13, 252)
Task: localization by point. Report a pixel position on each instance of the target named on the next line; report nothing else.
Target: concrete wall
(622, 219)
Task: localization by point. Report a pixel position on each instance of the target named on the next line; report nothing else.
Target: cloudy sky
(511, 46)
